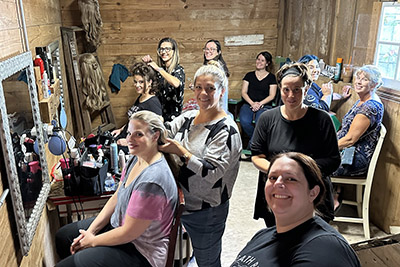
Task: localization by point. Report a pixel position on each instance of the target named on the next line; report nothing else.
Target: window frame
(387, 82)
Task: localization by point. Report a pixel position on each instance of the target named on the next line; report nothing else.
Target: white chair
(362, 200)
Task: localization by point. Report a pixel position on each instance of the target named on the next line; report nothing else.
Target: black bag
(92, 180)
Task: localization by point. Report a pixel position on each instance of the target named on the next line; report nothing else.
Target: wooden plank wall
(43, 19)
(326, 28)
(132, 29)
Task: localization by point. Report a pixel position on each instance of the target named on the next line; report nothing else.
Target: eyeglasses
(164, 49)
(212, 49)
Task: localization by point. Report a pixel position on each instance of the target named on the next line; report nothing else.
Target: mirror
(25, 161)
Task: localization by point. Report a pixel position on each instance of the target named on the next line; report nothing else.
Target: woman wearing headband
(294, 127)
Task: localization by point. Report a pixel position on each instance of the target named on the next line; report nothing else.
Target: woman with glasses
(294, 127)
(209, 146)
(171, 77)
(212, 52)
(258, 91)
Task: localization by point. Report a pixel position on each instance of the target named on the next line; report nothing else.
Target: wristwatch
(185, 157)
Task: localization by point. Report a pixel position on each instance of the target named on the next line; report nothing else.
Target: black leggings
(121, 255)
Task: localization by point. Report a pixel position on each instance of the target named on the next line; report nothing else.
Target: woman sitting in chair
(293, 189)
(361, 124)
(133, 227)
(258, 92)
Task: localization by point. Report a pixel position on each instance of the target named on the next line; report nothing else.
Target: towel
(119, 74)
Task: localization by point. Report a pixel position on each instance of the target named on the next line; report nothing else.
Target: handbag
(347, 155)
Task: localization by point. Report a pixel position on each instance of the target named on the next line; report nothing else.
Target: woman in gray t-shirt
(133, 227)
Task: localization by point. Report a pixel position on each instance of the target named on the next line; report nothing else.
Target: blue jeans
(246, 117)
(205, 229)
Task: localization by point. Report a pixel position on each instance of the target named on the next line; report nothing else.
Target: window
(387, 53)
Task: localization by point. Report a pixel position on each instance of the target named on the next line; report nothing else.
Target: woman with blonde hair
(133, 227)
(171, 77)
(209, 146)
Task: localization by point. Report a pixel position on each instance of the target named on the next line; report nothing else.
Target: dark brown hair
(148, 74)
(294, 70)
(310, 169)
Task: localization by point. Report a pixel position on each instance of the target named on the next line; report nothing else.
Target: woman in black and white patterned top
(171, 77)
(209, 146)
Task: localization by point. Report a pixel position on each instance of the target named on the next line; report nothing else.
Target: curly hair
(91, 20)
(294, 70)
(93, 84)
(147, 73)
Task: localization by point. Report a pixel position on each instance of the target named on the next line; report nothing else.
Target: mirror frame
(26, 228)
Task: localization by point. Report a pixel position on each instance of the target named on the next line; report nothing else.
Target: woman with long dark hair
(171, 77)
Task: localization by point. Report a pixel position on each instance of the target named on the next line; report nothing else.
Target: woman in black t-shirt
(293, 190)
(146, 86)
(258, 91)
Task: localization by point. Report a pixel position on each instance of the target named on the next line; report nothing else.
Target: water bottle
(109, 183)
(114, 156)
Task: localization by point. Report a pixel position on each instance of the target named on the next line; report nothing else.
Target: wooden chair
(175, 232)
(362, 198)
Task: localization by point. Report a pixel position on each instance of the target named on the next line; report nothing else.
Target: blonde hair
(373, 74)
(93, 84)
(91, 20)
(155, 124)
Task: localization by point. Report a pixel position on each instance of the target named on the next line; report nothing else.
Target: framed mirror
(23, 145)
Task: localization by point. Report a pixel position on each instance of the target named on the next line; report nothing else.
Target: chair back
(374, 161)
(176, 222)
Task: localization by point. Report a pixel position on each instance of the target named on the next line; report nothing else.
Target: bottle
(109, 183)
(338, 70)
(39, 62)
(114, 156)
(121, 160)
(41, 51)
(46, 90)
(321, 64)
